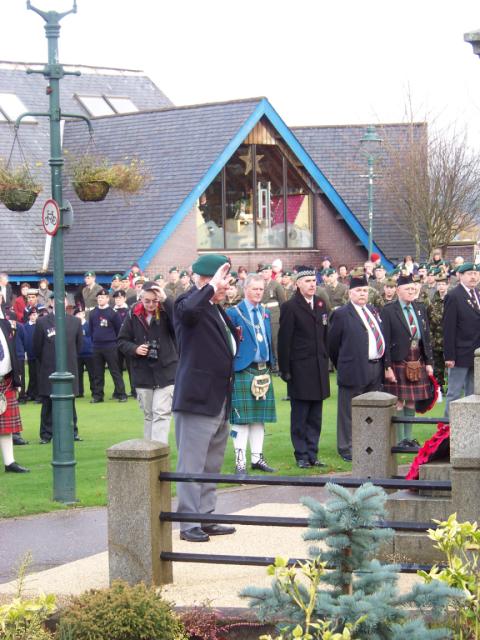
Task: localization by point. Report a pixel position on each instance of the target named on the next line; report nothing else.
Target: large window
(258, 201)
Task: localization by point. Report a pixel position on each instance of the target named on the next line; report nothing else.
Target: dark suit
(303, 363)
(44, 348)
(461, 336)
(201, 399)
(398, 336)
(348, 340)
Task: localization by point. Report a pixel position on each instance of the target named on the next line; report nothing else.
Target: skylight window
(96, 105)
(121, 105)
(11, 107)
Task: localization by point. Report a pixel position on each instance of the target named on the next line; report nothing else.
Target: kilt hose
(403, 388)
(10, 421)
(245, 408)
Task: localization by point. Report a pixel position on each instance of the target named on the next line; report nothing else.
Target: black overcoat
(348, 346)
(44, 348)
(8, 332)
(302, 348)
(398, 336)
(461, 327)
(205, 369)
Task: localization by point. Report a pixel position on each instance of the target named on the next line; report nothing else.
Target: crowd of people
(203, 344)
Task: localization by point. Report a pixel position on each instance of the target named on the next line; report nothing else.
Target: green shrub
(121, 612)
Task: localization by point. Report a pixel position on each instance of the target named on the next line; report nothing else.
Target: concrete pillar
(465, 452)
(135, 498)
(373, 435)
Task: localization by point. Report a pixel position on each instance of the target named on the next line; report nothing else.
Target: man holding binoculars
(147, 338)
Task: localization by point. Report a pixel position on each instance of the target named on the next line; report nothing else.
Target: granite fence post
(465, 451)
(135, 499)
(373, 435)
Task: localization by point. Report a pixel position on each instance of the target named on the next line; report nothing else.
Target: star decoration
(247, 159)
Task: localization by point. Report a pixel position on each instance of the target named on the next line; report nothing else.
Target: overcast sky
(318, 61)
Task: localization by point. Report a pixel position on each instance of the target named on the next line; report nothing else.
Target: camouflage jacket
(435, 316)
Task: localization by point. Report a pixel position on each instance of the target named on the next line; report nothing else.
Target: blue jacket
(28, 330)
(87, 346)
(246, 334)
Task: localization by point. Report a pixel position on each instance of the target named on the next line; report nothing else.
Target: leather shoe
(77, 439)
(43, 441)
(347, 458)
(122, 399)
(303, 464)
(195, 534)
(18, 440)
(262, 465)
(15, 468)
(95, 400)
(317, 463)
(217, 529)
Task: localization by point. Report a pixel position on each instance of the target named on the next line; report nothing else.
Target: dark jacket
(205, 369)
(397, 333)
(302, 348)
(147, 372)
(44, 339)
(104, 325)
(461, 327)
(8, 332)
(348, 346)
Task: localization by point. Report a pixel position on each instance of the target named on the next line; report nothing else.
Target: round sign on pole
(50, 217)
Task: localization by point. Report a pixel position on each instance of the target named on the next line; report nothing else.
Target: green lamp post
(63, 459)
(370, 143)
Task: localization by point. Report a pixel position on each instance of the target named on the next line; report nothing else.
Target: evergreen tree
(357, 587)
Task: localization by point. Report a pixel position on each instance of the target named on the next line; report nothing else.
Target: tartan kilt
(405, 390)
(245, 409)
(10, 421)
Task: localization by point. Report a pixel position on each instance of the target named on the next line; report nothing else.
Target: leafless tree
(432, 182)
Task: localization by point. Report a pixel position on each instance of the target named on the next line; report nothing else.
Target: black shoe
(347, 457)
(77, 439)
(403, 443)
(18, 440)
(122, 399)
(217, 529)
(303, 464)
(44, 441)
(261, 465)
(94, 400)
(414, 443)
(194, 535)
(16, 468)
(317, 463)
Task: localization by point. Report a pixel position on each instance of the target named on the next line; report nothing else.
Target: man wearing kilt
(303, 364)
(407, 338)
(252, 365)
(10, 421)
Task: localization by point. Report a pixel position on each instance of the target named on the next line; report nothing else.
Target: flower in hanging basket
(18, 190)
(129, 178)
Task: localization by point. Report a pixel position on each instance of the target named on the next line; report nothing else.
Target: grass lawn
(102, 425)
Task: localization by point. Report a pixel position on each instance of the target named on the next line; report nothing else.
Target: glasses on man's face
(149, 301)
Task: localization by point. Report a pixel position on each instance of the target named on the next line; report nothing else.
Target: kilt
(245, 408)
(405, 390)
(10, 421)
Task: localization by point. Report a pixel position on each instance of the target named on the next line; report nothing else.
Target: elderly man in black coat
(201, 401)
(303, 364)
(44, 348)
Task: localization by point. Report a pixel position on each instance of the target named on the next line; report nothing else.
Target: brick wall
(332, 238)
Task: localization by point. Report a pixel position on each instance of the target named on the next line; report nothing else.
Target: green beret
(172, 269)
(234, 274)
(89, 273)
(208, 264)
(288, 273)
(183, 273)
(328, 272)
(441, 277)
(264, 267)
(423, 265)
(466, 266)
(117, 276)
(390, 282)
(159, 276)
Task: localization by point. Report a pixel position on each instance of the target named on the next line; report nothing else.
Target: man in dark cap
(357, 346)
(408, 353)
(173, 288)
(89, 292)
(303, 365)
(461, 332)
(207, 345)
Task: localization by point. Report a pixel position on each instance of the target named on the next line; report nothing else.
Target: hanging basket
(94, 191)
(18, 199)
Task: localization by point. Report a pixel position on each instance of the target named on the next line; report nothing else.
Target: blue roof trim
(190, 200)
(264, 108)
(322, 181)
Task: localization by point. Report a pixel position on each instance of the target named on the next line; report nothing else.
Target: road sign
(50, 217)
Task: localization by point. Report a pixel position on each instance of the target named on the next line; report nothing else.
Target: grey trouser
(156, 405)
(459, 379)
(201, 442)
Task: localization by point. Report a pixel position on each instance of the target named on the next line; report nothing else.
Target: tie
(411, 321)
(474, 300)
(376, 334)
(258, 332)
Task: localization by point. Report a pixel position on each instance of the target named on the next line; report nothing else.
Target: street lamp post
(63, 459)
(370, 142)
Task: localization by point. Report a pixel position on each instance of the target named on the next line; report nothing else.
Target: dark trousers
(305, 428)
(110, 358)
(22, 396)
(344, 407)
(124, 363)
(46, 419)
(85, 364)
(32, 391)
